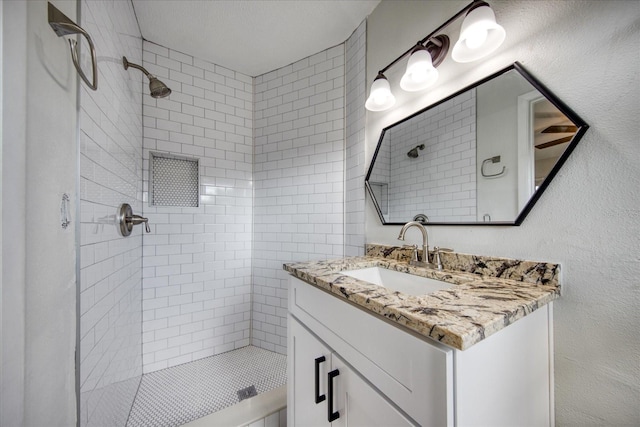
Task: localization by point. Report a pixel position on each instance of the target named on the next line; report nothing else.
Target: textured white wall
(197, 260)
(14, 26)
(588, 219)
(39, 163)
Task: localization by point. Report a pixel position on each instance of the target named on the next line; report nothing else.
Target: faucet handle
(414, 254)
(436, 256)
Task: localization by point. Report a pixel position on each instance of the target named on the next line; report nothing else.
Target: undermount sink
(398, 281)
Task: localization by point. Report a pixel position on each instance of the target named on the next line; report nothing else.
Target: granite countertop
(490, 293)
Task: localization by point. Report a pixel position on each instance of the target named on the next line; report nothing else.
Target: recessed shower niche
(173, 180)
(483, 155)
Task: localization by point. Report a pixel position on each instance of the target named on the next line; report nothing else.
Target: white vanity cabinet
(329, 391)
(388, 376)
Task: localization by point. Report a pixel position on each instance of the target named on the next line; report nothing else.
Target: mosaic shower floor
(178, 395)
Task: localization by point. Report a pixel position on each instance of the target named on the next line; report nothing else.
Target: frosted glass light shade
(420, 72)
(479, 36)
(380, 97)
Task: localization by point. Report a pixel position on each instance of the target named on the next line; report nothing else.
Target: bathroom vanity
(475, 353)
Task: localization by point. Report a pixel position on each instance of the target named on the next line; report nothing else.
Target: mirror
(481, 156)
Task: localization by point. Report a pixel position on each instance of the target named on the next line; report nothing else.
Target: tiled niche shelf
(173, 180)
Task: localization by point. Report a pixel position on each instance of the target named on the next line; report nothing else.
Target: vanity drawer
(414, 374)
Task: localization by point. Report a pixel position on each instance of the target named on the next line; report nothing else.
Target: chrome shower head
(156, 87)
(413, 153)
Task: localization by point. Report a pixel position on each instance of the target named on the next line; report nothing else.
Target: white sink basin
(398, 281)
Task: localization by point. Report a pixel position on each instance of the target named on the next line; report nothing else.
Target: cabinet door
(414, 374)
(306, 355)
(358, 403)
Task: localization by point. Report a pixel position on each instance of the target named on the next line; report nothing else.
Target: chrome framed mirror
(482, 156)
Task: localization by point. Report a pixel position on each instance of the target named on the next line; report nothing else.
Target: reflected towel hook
(494, 159)
(64, 26)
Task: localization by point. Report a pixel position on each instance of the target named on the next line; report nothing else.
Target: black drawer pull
(316, 392)
(332, 416)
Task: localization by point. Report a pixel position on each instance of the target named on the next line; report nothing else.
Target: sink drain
(247, 392)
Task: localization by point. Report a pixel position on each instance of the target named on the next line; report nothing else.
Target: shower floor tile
(178, 395)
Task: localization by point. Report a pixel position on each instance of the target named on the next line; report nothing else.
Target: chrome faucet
(425, 243)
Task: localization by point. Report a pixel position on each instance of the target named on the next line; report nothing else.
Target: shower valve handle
(137, 219)
(126, 220)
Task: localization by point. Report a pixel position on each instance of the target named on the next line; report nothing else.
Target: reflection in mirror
(482, 156)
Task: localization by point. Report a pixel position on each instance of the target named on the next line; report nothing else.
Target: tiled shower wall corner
(299, 176)
(446, 166)
(356, 91)
(197, 261)
(110, 174)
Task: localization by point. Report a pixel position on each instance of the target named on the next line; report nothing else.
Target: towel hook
(64, 26)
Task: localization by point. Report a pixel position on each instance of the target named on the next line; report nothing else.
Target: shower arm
(128, 64)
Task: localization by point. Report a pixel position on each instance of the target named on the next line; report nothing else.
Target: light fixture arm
(430, 37)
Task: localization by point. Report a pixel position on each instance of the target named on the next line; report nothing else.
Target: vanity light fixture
(420, 72)
(479, 36)
(381, 97)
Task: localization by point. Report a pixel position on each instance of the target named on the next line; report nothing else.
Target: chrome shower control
(126, 220)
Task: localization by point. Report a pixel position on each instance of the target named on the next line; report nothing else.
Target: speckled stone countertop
(490, 293)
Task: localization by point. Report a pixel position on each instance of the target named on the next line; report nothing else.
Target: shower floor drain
(247, 392)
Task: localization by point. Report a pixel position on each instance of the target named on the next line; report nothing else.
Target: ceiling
(250, 36)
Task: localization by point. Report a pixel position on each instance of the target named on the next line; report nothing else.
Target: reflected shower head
(156, 87)
(413, 153)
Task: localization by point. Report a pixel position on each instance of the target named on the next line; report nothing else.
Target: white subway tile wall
(299, 181)
(356, 91)
(443, 176)
(110, 174)
(197, 261)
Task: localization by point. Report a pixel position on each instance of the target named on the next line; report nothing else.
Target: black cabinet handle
(332, 416)
(316, 392)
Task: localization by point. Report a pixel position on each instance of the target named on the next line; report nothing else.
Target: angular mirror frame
(561, 106)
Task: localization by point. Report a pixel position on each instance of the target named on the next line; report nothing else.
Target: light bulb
(380, 97)
(479, 35)
(476, 38)
(420, 76)
(420, 72)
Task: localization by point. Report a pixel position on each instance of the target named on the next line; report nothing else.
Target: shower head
(413, 153)
(156, 87)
